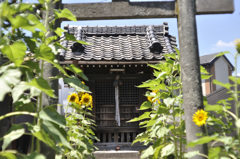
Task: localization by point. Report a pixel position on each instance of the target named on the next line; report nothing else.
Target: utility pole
(190, 71)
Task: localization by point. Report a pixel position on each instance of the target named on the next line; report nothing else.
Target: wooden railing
(113, 137)
(117, 134)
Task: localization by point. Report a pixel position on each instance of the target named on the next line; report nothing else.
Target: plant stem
(174, 120)
(17, 113)
(236, 98)
(180, 107)
(39, 122)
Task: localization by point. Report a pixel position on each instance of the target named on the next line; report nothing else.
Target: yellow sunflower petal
(200, 117)
(237, 43)
(86, 99)
(73, 98)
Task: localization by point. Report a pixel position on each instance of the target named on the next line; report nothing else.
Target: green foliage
(163, 120)
(223, 124)
(165, 130)
(21, 76)
(80, 131)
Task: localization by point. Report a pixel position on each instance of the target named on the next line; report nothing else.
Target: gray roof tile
(211, 58)
(207, 59)
(119, 43)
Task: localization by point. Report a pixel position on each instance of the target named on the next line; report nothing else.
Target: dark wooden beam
(122, 9)
(109, 62)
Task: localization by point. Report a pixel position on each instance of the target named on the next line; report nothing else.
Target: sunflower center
(200, 118)
(72, 98)
(86, 100)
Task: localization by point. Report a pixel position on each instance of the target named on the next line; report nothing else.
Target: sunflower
(200, 117)
(80, 94)
(79, 103)
(237, 43)
(86, 99)
(153, 101)
(73, 98)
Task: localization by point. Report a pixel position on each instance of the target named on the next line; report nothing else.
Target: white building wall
(63, 93)
(203, 87)
(221, 71)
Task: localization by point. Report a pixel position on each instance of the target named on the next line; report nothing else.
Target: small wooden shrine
(115, 63)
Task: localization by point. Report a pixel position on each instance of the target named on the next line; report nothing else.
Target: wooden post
(5, 124)
(190, 70)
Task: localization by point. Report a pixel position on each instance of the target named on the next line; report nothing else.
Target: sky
(216, 33)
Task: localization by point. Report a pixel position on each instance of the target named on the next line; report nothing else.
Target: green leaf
(171, 56)
(203, 140)
(51, 39)
(158, 87)
(205, 102)
(41, 84)
(146, 105)
(20, 106)
(215, 108)
(203, 70)
(50, 114)
(18, 90)
(167, 150)
(156, 66)
(149, 83)
(203, 77)
(15, 52)
(148, 152)
(225, 85)
(36, 22)
(33, 155)
(237, 123)
(76, 84)
(59, 31)
(9, 78)
(162, 131)
(21, 22)
(57, 133)
(44, 137)
(77, 71)
(233, 78)
(225, 139)
(31, 44)
(213, 153)
(160, 74)
(24, 6)
(65, 13)
(222, 53)
(146, 115)
(71, 37)
(45, 52)
(41, 1)
(15, 132)
(169, 101)
(157, 150)
(191, 154)
(32, 65)
(140, 138)
(7, 155)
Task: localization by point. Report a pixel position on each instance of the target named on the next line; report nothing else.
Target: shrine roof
(118, 43)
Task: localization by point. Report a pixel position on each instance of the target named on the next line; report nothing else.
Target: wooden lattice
(105, 103)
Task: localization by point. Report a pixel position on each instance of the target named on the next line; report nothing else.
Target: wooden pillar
(190, 71)
(5, 124)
